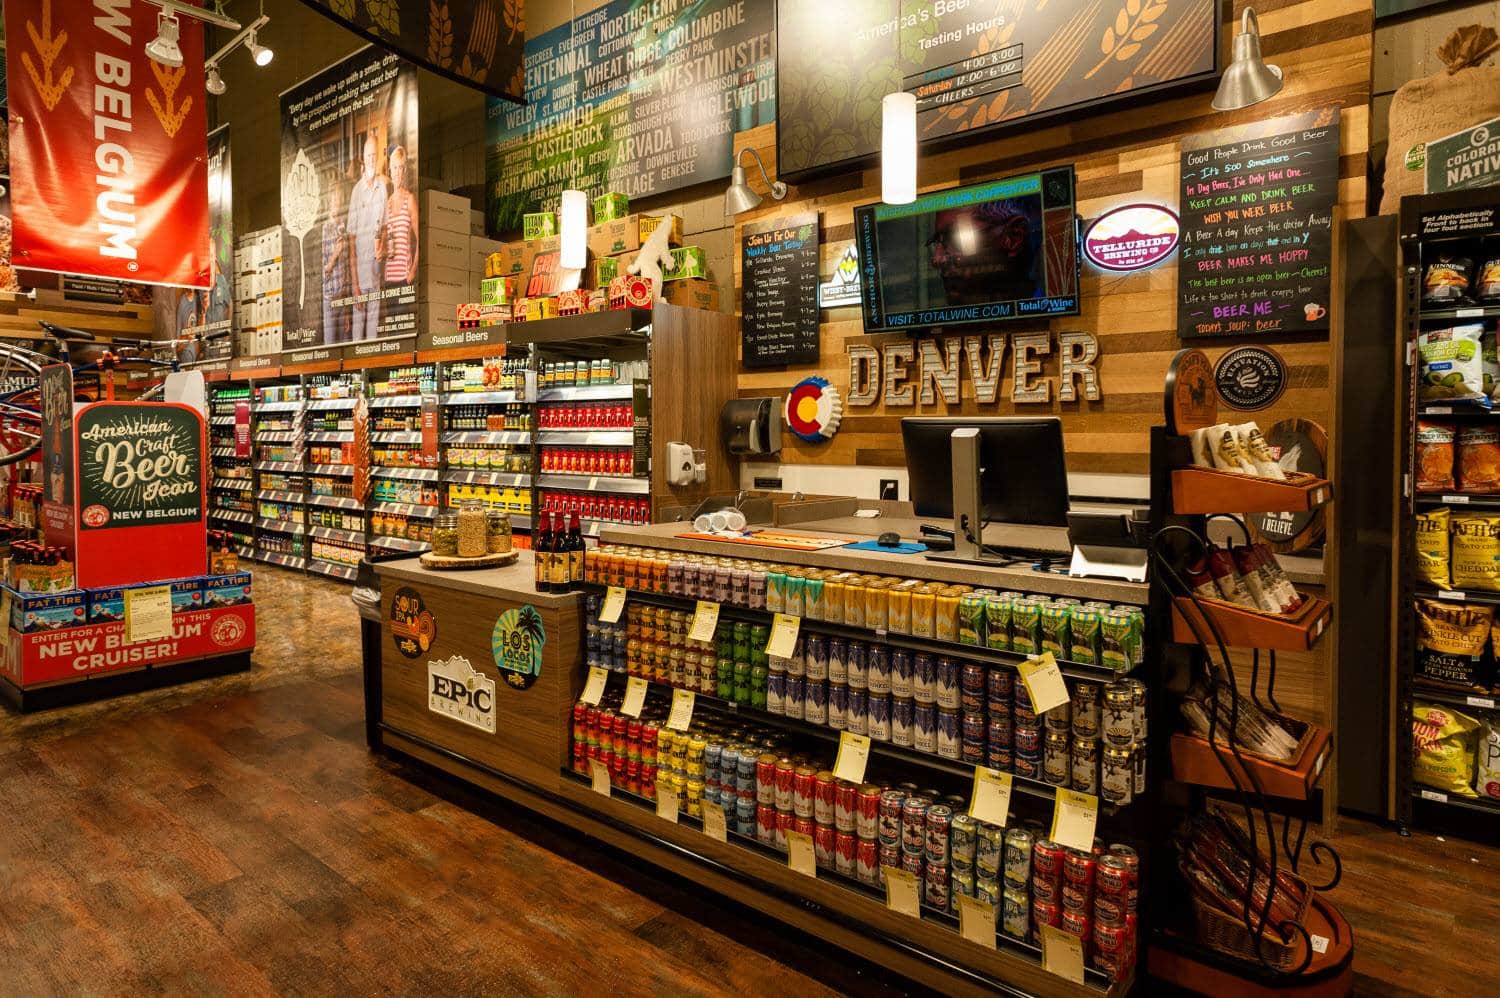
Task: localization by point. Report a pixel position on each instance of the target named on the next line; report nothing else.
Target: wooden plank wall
(1324, 48)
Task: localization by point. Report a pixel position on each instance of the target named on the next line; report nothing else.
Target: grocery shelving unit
(279, 448)
(1428, 223)
(231, 504)
(844, 896)
(335, 518)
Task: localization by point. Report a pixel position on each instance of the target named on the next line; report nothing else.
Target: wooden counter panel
(531, 726)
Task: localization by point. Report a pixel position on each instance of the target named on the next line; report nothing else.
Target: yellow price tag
(901, 891)
(600, 777)
(854, 755)
(614, 605)
(714, 825)
(1062, 953)
(682, 710)
(1044, 681)
(990, 801)
(1074, 818)
(800, 857)
(666, 806)
(976, 920)
(635, 697)
(705, 620)
(783, 641)
(148, 614)
(593, 690)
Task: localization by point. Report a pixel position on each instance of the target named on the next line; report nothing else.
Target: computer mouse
(889, 539)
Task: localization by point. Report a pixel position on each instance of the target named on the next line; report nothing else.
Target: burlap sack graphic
(1464, 94)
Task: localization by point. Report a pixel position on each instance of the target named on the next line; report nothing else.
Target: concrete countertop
(512, 582)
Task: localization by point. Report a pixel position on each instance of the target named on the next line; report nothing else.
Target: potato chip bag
(1434, 456)
(1475, 556)
(1450, 643)
(1452, 365)
(1487, 780)
(1443, 748)
(1479, 459)
(1432, 548)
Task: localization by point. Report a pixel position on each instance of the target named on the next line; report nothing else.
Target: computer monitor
(1022, 479)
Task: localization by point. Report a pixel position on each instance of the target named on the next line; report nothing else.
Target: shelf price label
(593, 690)
(1062, 953)
(682, 710)
(800, 857)
(854, 755)
(1074, 818)
(1044, 681)
(148, 614)
(976, 920)
(990, 800)
(635, 697)
(705, 620)
(901, 891)
(714, 825)
(666, 806)
(600, 776)
(784, 631)
(614, 605)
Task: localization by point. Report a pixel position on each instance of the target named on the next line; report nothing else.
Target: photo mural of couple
(349, 206)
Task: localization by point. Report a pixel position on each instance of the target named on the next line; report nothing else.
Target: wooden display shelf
(1199, 970)
(1204, 491)
(1194, 761)
(1243, 628)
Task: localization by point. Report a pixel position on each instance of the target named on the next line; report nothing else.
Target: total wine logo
(1133, 237)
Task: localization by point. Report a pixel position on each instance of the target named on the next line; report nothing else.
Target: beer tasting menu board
(1257, 227)
(779, 268)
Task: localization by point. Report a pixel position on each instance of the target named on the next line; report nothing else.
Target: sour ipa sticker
(139, 466)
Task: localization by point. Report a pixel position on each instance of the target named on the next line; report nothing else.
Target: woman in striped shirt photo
(400, 245)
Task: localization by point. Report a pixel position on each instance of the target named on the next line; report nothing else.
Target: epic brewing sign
(1257, 227)
(140, 492)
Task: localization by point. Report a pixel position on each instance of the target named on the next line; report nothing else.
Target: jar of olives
(498, 531)
(445, 535)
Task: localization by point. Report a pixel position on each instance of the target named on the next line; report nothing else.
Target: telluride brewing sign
(139, 466)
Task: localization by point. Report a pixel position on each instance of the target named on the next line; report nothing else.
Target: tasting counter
(527, 757)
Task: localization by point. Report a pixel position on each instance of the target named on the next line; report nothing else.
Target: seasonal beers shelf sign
(140, 502)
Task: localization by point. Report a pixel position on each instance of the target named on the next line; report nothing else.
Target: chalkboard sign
(139, 465)
(1257, 227)
(779, 273)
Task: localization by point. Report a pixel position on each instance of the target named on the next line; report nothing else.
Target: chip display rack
(1431, 224)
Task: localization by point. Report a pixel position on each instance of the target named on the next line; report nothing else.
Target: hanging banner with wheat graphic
(478, 42)
(975, 66)
(109, 173)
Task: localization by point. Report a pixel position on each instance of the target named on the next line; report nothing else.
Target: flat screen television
(1001, 250)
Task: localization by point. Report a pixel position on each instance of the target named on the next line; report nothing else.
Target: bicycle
(22, 412)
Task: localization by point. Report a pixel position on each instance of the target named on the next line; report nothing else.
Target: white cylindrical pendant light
(898, 148)
(574, 222)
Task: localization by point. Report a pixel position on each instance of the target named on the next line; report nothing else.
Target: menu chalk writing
(779, 271)
(1257, 227)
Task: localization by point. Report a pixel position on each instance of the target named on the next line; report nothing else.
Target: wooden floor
(234, 837)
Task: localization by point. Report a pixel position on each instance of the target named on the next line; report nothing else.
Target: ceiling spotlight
(259, 53)
(163, 48)
(215, 82)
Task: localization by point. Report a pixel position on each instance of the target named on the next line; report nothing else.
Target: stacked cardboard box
(257, 292)
(444, 279)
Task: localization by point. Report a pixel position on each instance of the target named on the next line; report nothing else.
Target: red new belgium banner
(108, 148)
